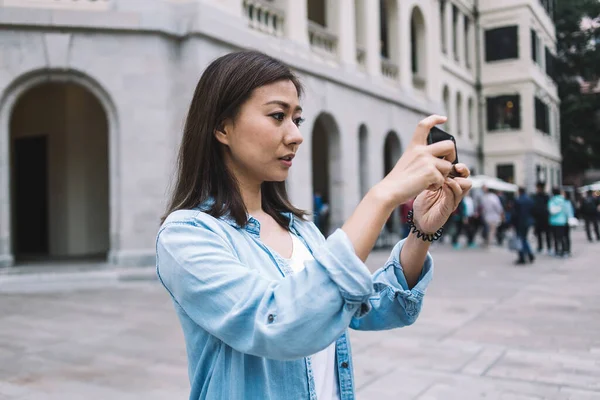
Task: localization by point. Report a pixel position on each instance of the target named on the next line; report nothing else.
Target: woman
(559, 220)
(265, 301)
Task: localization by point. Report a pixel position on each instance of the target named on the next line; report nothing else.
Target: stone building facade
(93, 95)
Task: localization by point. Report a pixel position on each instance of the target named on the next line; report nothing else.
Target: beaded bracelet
(426, 237)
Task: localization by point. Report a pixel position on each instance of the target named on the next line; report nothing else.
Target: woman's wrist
(382, 197)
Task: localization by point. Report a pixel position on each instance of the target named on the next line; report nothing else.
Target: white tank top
(323, 362)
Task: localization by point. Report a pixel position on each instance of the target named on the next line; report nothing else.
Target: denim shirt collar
(252, 224)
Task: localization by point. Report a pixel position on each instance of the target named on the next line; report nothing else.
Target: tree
(578, 59)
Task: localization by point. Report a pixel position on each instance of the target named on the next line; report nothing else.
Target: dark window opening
(383, 34)
(501, 43)
(506, 172)
(413, 47)
(534, 47)
(542, 116)
(454, 31)
(467, 40)
(443, 25)
(550, 71)
(503, 112)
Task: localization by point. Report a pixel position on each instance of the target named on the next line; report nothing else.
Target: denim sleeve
(284, 319)
(394, 305)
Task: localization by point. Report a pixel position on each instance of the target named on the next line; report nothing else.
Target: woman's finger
(462, 170)
(445, 167)
(445, 149)
(423, 128)
(456, 190)
(464, 183)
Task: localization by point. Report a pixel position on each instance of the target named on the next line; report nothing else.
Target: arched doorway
(59, 175)
(327, 174)
(418, 48)
(363, 162)
(392, 151)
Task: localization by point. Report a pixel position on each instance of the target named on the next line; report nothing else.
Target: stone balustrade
(389, 69)
(322, 40)
(361, 56)
(264, 17)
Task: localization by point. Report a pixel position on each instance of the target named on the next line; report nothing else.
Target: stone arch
(22, 86)
(392, 151)
(327, 175)
(418, 47)
(363, 159)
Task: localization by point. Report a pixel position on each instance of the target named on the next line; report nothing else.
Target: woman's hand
(420, 167)
(433, 207)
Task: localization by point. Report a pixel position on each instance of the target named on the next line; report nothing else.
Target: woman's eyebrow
(283, 104)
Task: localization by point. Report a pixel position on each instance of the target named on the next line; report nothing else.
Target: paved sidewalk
(488, 330)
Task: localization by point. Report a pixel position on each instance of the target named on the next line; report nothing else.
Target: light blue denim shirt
(251, 324)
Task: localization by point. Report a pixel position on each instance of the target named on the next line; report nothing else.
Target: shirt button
(344, 364)
(271, 318)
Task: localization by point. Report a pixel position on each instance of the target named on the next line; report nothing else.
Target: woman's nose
(294, 136)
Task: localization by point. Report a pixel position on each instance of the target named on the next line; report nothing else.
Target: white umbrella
(493, 183)
(592, 186)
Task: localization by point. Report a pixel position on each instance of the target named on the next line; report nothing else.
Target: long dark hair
(224, 86)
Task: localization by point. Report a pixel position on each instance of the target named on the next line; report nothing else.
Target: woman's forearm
(365, 224)
(412, 258)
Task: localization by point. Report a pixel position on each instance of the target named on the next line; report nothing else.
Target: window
(413, 47)
(443, 25)
(506, 172)
(534, 47)
(317, 12)
(467, 41)
(542, 117)
(550, 64)
(383, 35)
(503, 112)
(455, 31)
(501, 43)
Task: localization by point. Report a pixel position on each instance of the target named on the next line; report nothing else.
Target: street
(488, 330)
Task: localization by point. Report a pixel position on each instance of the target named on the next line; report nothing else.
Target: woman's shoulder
(194, 218)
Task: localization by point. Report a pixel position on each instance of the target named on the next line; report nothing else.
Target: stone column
(296, 21)
(404, 45)
(372, 27)
(341, 17)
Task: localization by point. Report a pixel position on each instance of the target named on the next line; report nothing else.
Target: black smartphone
(438, 135)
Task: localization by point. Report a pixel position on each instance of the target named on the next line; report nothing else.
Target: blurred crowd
(491, 218)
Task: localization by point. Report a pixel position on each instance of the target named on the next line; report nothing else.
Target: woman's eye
(278, 116)
(298, 121)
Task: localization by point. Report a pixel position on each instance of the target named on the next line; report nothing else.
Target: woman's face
(264, 137)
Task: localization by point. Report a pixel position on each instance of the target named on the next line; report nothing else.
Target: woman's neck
(252, 197)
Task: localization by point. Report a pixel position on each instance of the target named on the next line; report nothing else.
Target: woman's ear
(221, 133)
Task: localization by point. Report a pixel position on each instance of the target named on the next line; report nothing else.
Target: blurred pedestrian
(559, 217)
(589, 213)
(542, 219)
(493, 213)
(570, 209)
(522, 221)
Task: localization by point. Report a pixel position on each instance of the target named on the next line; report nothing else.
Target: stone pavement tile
(397, 385)
(574, 394)
(557, 369)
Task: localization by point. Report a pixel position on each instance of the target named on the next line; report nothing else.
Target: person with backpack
(589, 212)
